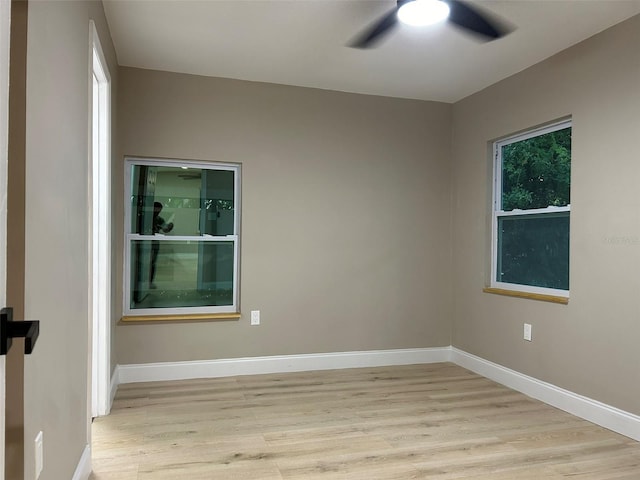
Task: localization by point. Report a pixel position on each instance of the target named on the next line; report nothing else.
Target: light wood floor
(436, 421)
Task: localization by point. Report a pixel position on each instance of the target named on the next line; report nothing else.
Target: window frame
(497, 213)
(178, 312)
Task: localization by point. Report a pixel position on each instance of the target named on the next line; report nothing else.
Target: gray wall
(345, 217)
(56, 249)
(591, 345)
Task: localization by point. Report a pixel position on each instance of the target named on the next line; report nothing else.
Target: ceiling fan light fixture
(419, 13)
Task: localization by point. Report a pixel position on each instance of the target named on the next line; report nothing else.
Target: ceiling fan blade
(377, 30)
(473, 20)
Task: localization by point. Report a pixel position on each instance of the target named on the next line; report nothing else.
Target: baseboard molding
(594, 411)
(115, 381)
(151, 372)
(83, 470)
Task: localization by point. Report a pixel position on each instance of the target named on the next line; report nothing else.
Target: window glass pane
(181, 273)
(534, 250)
(183, 201)
(536, 172)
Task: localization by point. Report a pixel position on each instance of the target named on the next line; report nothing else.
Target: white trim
(517, 212)
(497, 211)
(115, 381)
(100, 284)
(83, 470)
(535, 132)
(178, 238)
(177, 162)
(236, 168)
(594, 411)
(531, 289)
(152, 372)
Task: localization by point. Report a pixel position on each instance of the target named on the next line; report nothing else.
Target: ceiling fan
(460, 13)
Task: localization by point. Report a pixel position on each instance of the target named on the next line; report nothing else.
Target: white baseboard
(115, 381)
(151, 372)
(594, 411)
(83, 470)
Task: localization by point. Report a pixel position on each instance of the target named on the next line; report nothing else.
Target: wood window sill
(194, 317)
(531, 296)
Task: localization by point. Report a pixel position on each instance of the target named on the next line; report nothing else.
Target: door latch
(10, 330)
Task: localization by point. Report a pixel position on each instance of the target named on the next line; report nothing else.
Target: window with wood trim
(182, 237)
(531, 211)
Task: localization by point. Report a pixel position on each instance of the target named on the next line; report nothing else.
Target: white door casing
(100, 153)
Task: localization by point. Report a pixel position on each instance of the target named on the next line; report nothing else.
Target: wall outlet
(255, 317)
(39, 454)
(527, 332)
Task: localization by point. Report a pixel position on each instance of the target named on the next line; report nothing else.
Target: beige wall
(591, 345)
(345, 213)
(56, 271)
(346, 219)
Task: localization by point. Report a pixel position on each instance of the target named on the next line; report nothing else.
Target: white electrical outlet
(39, 454)
(527, 332)
(255, 317)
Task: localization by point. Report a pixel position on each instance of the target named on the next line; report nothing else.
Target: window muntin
(532, 210)
(182, 239)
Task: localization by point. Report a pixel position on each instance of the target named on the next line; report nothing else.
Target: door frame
(100, 225)
(5, 32)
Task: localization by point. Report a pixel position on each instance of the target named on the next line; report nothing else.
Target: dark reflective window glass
(534, 250)
(193, 201)
(181, 273)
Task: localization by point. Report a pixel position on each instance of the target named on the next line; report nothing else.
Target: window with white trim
(531, 211)
(182, 225)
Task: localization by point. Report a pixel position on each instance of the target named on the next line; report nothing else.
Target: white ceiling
(302, 42)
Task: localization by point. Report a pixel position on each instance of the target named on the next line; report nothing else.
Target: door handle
(10, 330)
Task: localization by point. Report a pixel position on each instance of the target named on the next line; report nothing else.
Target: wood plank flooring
(436, 421)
